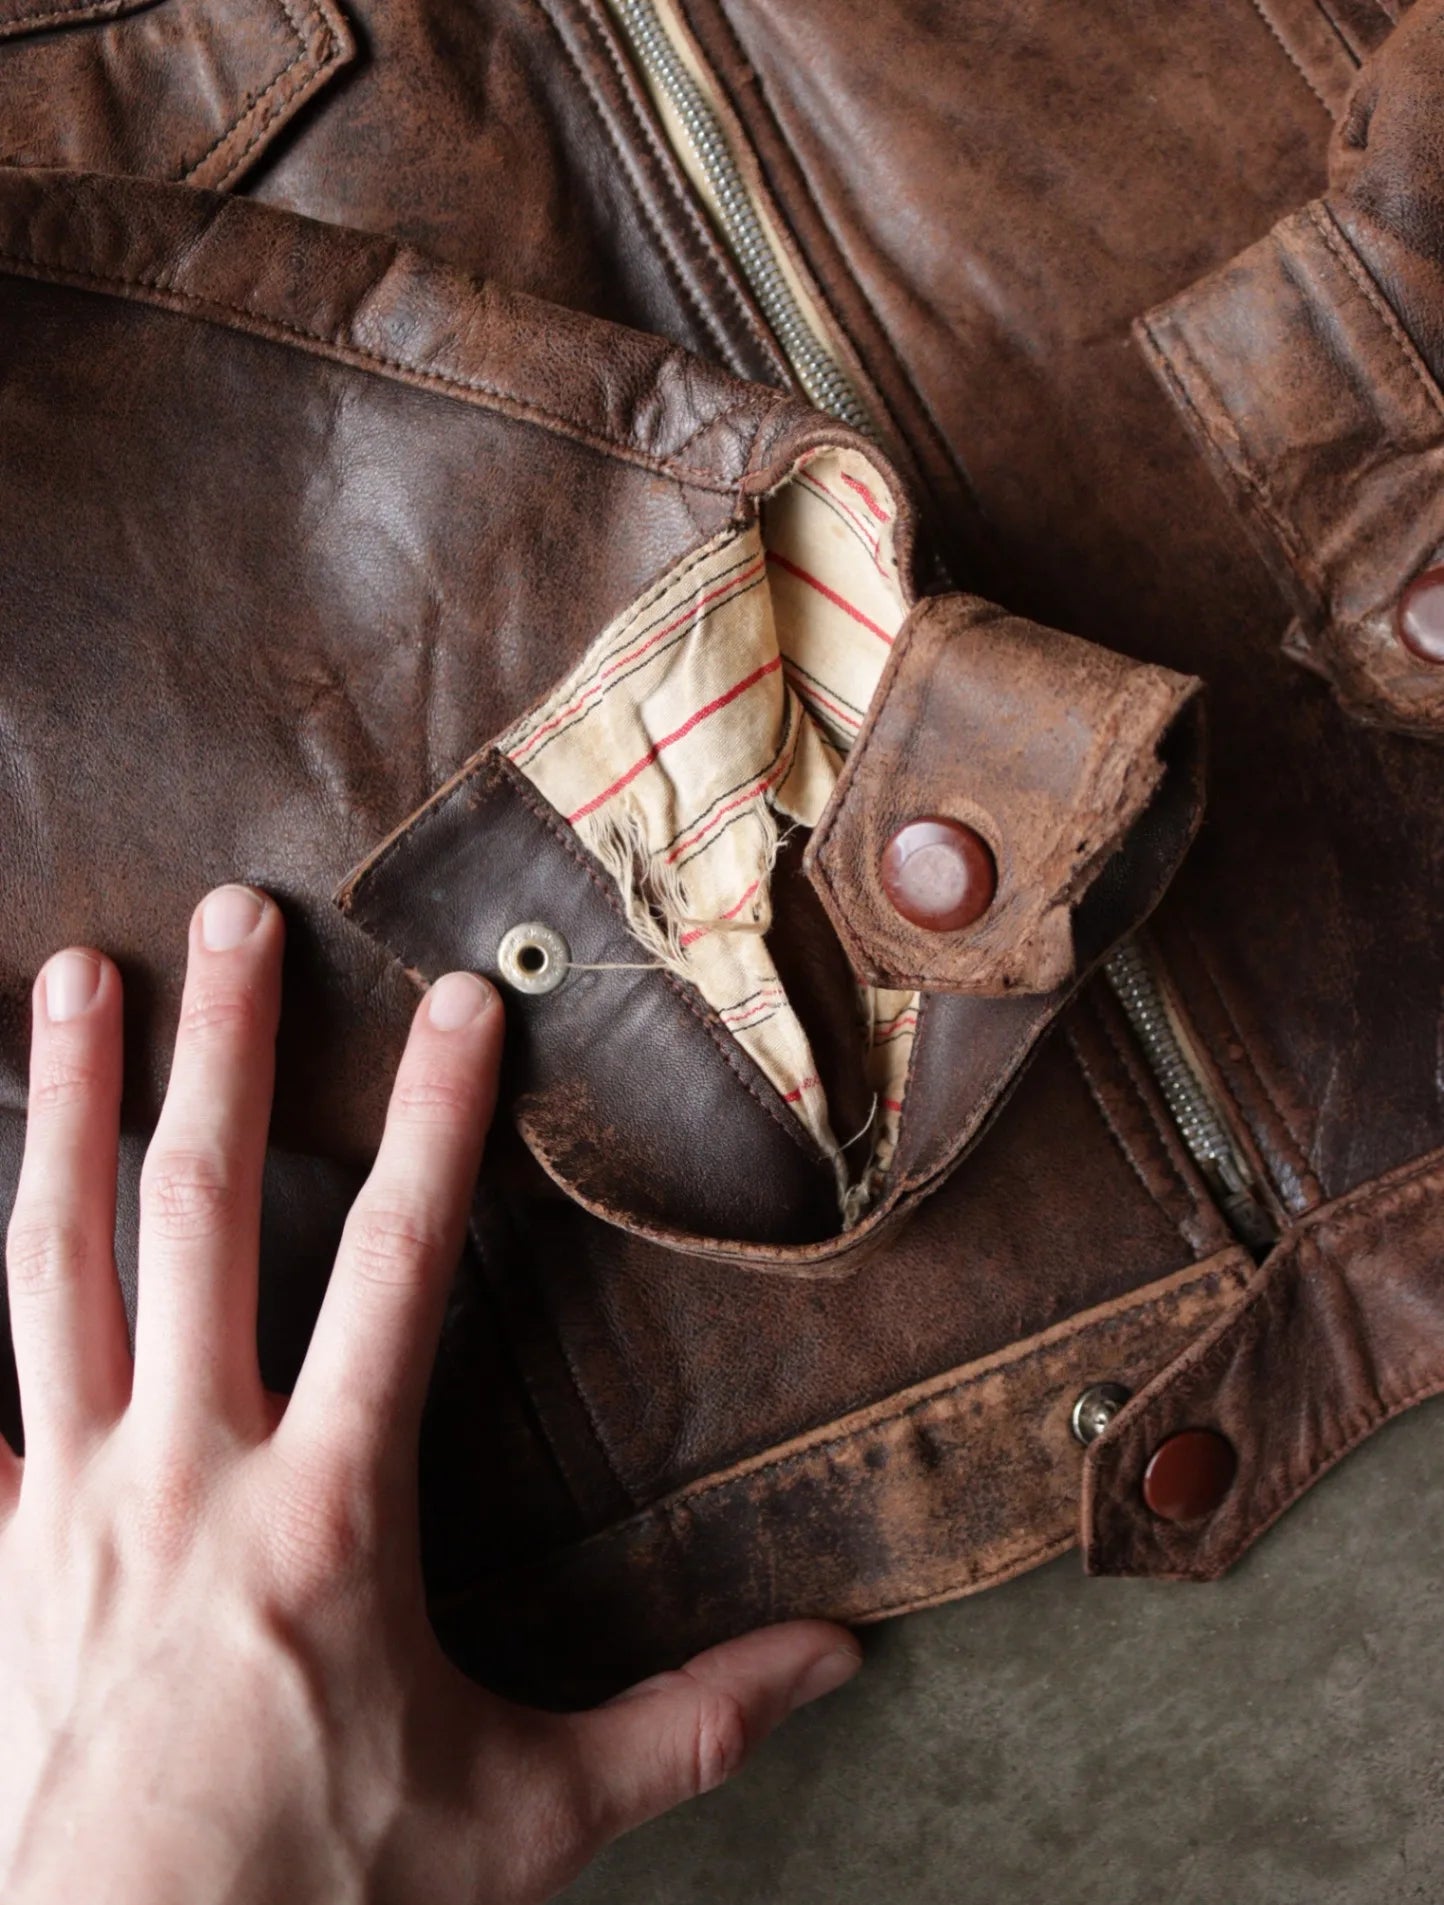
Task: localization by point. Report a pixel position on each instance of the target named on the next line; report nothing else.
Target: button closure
(939, 874)
(1189, 1474)
(1420, 617)
(1095, 1409)
(533, 958)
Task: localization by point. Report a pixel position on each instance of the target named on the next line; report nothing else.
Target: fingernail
(456, 999)
(229, 916)
(72, 980)
(834, 1670)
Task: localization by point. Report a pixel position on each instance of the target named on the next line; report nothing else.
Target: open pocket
(735, 1027)
(170, 89)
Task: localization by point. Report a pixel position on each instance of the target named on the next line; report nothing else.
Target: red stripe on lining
(866, 494)
(694, 607)
(769, 779)
(767, 1000)
(869, 538)
(807, 692)
(759, 1015)
(791, 1097)
(838, 601)
(731, 913)
(692, 721)
(891, 1104)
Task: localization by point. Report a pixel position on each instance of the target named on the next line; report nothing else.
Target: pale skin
(216, 1671)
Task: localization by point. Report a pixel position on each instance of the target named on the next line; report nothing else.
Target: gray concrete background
(1274, 1739)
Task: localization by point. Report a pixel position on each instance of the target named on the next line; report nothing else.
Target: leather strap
(1342, 1328)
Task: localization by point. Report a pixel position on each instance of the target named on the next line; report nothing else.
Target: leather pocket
(171, 89)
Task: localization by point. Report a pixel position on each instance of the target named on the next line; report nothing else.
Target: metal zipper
(817, 371)
(1201, 1121)
(1202, 1124)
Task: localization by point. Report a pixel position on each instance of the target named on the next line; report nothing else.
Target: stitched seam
(1166, 1134)
(584, 1403)
(704, 1016)
(250, 103)
(493, 768)
(660, 1514)
(1351, 52)
(1015, 1564)
(725, 417)
(96, 9)
(649, 215)
(1344, 252)
(1236, 459)
(307, 83)
(702, 226)
(264, 324)
(1291, 56)
(1289, 1491)
(951, 458)
(1300, 1159)
(1095, 1092)
(686, 1500)
(1232, 1327)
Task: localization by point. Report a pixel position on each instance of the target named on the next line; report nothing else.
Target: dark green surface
(1274, 1739)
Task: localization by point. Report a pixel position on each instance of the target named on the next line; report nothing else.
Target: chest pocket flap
(188, 90)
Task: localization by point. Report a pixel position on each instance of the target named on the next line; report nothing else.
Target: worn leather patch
(945, 1488)
(1326, 426)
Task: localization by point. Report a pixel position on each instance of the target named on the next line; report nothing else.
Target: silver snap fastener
(1096, 1408)
(533, 958)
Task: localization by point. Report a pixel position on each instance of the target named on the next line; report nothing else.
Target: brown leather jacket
(538, 473)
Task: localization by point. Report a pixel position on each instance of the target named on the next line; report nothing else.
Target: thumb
(682, 1733)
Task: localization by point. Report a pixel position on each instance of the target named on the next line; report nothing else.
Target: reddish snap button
(939, 874)
(1189, 1474)
(1421, 616)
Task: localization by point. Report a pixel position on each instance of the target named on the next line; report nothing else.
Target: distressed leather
(1053, 750)
(176, 90)
(303, 501)
(1308, 367)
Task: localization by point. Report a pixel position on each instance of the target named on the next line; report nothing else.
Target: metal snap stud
(533, 958)
(1096, 1408)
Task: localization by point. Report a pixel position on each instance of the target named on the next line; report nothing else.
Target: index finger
(365, 1375)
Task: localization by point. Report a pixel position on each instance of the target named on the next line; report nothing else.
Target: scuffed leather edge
(1340, 1330)
(1049, 855)
(948, 1487)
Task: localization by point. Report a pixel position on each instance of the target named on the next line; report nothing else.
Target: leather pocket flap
(168, 89)
(38, 16)
(1047, 750)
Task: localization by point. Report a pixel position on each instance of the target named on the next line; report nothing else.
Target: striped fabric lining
(713, 713)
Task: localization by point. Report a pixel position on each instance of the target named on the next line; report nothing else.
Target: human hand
(216, 1670)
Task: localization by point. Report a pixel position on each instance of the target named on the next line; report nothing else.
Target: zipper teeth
(821, 377)
(1199, 1124)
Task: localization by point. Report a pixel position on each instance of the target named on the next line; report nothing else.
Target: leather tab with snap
(1008, 775)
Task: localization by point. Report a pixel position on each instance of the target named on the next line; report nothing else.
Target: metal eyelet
(1096, 1408)
(533, 958)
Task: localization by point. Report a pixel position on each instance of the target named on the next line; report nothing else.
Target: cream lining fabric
(714, 713)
